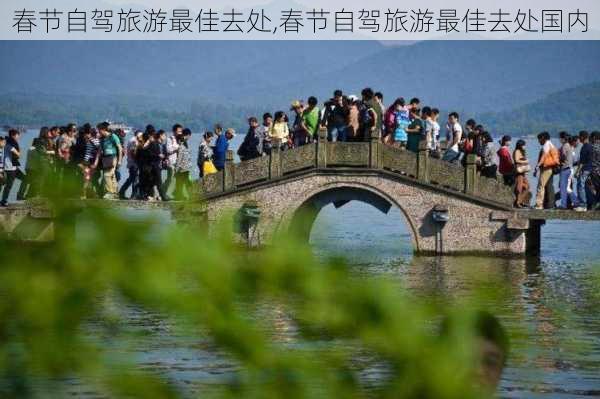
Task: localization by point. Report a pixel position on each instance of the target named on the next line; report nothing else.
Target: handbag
(208, 168)
(522, 169)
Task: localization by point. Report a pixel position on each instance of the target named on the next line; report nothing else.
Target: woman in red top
(506, 165)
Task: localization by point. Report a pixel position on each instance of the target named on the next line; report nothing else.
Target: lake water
(558, 358)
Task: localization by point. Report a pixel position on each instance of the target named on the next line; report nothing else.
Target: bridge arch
(304, 212)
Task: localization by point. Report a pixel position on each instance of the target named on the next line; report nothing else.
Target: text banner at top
(299, 20)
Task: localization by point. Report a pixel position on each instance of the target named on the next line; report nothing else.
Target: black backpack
(365, 119)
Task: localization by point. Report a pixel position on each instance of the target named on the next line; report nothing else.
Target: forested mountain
(19, 110)
(472, 76)
(571, 110)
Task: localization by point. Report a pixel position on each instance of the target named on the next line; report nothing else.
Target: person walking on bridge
(132, 181)
(437, 148)
(251, 148)
(280, 131)
(334, 117)
(111, 159)
(489, 166)
(183, 167)
(548, 160)
(594, 179)
(299, 133)
(584, 169)
(455, 134)
(353, 120)
(310, 120)
(86, 155)
(417, 129)
(2, 172)
(506, 165)
(522, 168)
(263, 133)
(172, 147)
(220, 149)
(367, 116)
(397, 121)
(151, 159)
(566, 172)
(205, 155)
(11, 162)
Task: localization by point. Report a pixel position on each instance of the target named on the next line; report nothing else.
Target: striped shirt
(91, 150)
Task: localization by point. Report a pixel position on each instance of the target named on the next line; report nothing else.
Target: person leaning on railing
(280, 131)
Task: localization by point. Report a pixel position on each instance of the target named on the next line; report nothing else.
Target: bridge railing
(368, 155)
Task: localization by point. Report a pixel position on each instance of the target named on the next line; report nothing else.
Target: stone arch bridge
(449, 209)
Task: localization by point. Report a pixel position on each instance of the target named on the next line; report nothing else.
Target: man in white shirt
(455, 133)
(435, 113)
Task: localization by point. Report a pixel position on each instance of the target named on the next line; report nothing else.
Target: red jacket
(506, 166)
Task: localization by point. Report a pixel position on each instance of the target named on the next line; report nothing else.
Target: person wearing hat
(298, 132)
(506, 165)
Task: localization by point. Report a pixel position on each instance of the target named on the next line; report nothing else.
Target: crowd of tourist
(155, 160)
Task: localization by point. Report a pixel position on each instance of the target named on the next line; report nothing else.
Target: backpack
(389, 120)
(364, 116)
(467, 146)
(552, 160)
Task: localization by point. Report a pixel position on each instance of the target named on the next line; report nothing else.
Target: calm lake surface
(559, 357)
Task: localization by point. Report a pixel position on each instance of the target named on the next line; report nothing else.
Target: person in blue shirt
(221, 146)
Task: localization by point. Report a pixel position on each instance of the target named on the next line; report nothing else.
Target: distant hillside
(469, 76)
(32, 111)
(570, 110)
